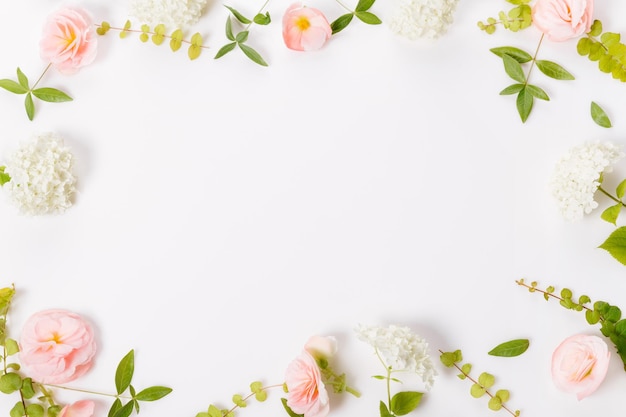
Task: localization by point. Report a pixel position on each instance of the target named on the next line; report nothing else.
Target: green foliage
(516, 19)
(288, 409)
(239, 39)
(47, 94)
(511, 348)
(404, 402)
(599, 116)
(485, 380)
(361, 11)
(615, 244)
(606, 49)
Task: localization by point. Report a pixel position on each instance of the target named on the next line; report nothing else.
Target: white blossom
(421, 18)
(577, 177)
(400, 349)
(42, 181)
(175, 13)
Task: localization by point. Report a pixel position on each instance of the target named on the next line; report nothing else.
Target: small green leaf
(225, 49)
(229, 30)
(592, 316)
(176, 40)
(515, 53)
(239, 16)
(369, 18)
(512, 89)
(404, 402)
(30, 106)
(537, 92)
(103, 28)
(10, 382)
(11, 345)
(599, 116)
(553, 70)
(524, 104)
(612, 213)
(511, 348)
(124, 31)
(384, 411)
(51, 95)
(17, 410)
(126, 410)
(477, 391)
(21, 77)
(159, 34)
(152, 393)
(503, 394)
(196, 46)
(513, 69)
(615, 244)
(288, 409)
(12, 86)
(621, 189)
(449, 358)
(252, 54)
(117, 404)
(495, 403)
(364, 5)
(486, 380)
(466, 368)
(124, 372)
(34, 410)
(262, 19)
(242, 36)
(341, 22)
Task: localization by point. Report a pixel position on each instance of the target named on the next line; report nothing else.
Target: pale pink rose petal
(305, 28)
(84, 408)
(306, 394)
(56, 346)
(561, 20)
(321, 346)
(579, 364)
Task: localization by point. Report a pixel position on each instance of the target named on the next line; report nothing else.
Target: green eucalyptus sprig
(257, 391)
(22, 86)
(513, 60)
(239, 39)
(608, 316)
(158, 35)
(605, 48)
(361, 11)
(516, 19)
(480, 386)
(37, 399)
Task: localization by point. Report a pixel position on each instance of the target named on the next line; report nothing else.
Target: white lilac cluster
(577, 177)
(41, 175)
(172, 13)
(422, 18)
(400, 349)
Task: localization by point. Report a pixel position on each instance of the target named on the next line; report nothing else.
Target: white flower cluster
(41, 176)
(422, 18)
(577, 174)
(400, 349)
(174, 13)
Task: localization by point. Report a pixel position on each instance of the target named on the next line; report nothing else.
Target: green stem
(617, 200)
(259, 12)
(534, 60)
(389, 388)
(41, 76)
(104, 394)
(344, 6)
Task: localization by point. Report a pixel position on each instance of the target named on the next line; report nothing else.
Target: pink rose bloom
(321, 346)
(561, 20)
(69, 40)
(82, 408)
(56, 346)
(305, 28)
(579, 364)
(306, 394)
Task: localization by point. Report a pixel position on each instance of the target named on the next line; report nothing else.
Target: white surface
(226, 212)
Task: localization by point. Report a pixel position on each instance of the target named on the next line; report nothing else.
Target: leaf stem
(534, 60)
(259, 12)
(344, 6)
(603, 191)
(104, 394)
(41, 76)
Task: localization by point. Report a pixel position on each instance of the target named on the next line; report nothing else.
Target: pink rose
(56, 346)
(321, 347)
(69, 40)
(306, 394)
(82, 408)
(305, 28)
(579, 364)
(561, 20)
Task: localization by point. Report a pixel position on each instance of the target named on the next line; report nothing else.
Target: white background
(226, 212)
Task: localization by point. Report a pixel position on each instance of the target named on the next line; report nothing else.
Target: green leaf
(599, 116)
(11, 345)
(152, 393)
(503, 394)
(176, 40)
(239, 16)
(126, 410)
(103, 28)
(124, 372)
(10, 382)
(225, 49)
(612, 213)
(592, 316)
(288, 409)
(196, 46)
(51, 95)
(252, 54)
(12, 86)
(477, 391)
(30, 106)
(369, 18)
(4, 177)
(621, 189)
(596, 28)
(54, 410)
(117, 404)
(124, 31)
(495, 403)
(404, 402)
(450, 358)
(17, 410)
(524, 104)
(537, 92)
(511, 348)
(613, 314)
(34, 410)
(553, 70)
(515, 53)
(364, 5)
(21, 77)
(28, 391)
(384, 411)
(341, 22)
(615, 244)
(229, 30)
(159, 34)
(262, 19)
(486, 380)
(512, 89)
(242, 36)
(513, 69)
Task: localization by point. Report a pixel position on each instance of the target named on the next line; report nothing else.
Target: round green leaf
(404, 402)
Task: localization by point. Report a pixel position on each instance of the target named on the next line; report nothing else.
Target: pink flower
(305, 28)
(579, 364)
(82, 408)
(69, 40)
(306, 392)
(321, 347)
(56, 346)
(561, 20)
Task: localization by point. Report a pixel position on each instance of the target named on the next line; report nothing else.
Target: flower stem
(534, 60)
(617, 200)
(41, 76)
(104, 394)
